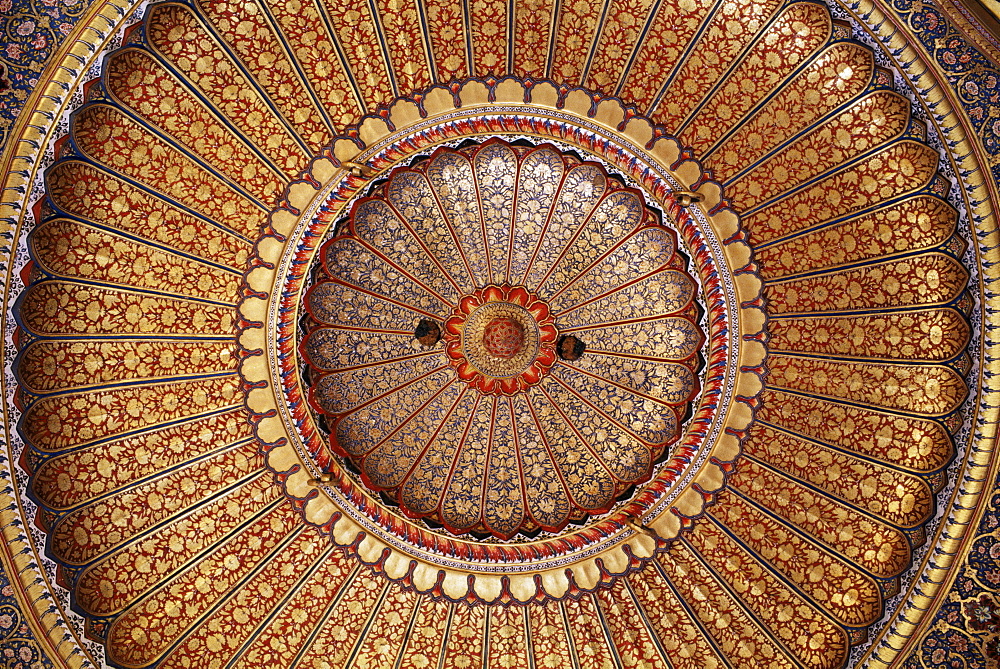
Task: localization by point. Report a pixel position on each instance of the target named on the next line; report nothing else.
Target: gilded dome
(430, 334)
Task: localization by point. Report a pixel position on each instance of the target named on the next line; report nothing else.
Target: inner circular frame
(686, 450)
(732, 377)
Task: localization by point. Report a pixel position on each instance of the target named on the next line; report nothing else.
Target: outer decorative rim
(574, 561)
(37, 125)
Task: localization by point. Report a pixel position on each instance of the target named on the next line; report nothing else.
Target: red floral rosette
(504, 374)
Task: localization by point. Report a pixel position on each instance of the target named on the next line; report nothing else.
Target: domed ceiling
(419, 334)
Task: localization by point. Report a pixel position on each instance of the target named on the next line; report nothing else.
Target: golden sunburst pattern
(167, 298)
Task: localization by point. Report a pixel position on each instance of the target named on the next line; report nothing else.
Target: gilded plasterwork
(868, 343)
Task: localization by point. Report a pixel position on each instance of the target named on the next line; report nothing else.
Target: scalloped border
(450, 566)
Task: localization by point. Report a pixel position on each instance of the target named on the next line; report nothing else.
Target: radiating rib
(866, 124)
(424, 487)
(100, 527)
(673, 30)
(420, 232)
(574, 34)
(503, 500)
(343, 630)
(616, 215)
(645, 251)
(549, 505)
(932, 335)
(140, 83)
(110, 138)
(650, 421)
(636, 645)
(387, 465)
(678, 631)
(898, 169)
(90, 193)
(49, 366)
(254, 42)
(913, 224)
(623, 23)
(351, 262)
(660, 294)
(71, 249)
(671, 338)
(620, 450)
(929, 279)
(381, 646)
(834, 77)
(445, 22)
(903, 500)
(461, 503)
(402, 32)
(921, 389)
(582, 189)
(588, 636)
(670, 383)
(730, 29)
(801, 29)
(911, 443)
(331, 349)
(62, 308)
(83, 475)
(225, 84)
(340, 392)
(538, 181)
(355, 32)
(590, 485)
(286, 634)
(532, 25)
(770, 599)
(424, 642)
(496, 173)
(241, 610)
(874, 546)
(742, 639)
(185, 545)
(54, 423)
(549, 636)
(342, 306)
(319, 54)
(453, 179)
(464, 649)
(845, 593)
(360, 431)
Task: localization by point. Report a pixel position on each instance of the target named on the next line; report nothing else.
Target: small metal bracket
(686, 198)
(358, 169)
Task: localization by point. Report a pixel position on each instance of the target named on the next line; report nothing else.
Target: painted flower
(983, 614)
(469, 342)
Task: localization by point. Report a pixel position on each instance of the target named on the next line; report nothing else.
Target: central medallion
(501, 339)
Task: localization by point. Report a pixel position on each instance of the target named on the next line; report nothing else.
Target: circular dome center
(506, 339)
(503, 337)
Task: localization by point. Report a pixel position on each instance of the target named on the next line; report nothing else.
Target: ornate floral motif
(501, 339)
